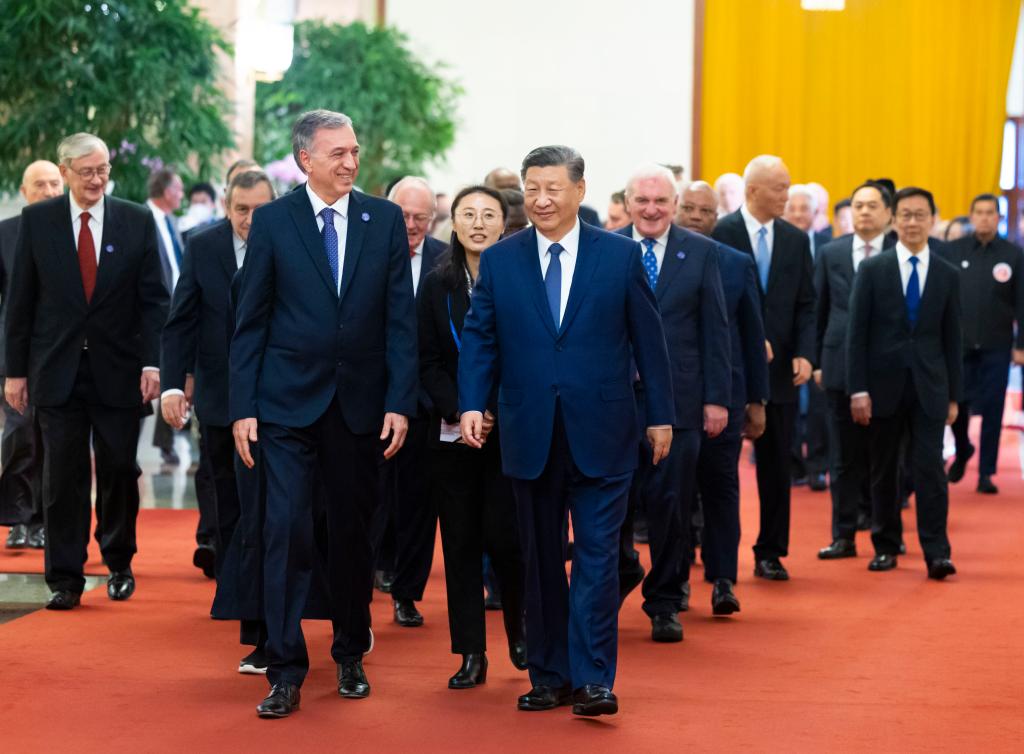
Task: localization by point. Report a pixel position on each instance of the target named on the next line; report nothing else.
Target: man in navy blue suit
(682, 270)
(557, 314)
(324, 353)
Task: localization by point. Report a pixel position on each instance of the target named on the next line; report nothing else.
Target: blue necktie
(763, 257)
(330, 235)
(650, 262)
(174, 240)
(913, 292)
(553, 283)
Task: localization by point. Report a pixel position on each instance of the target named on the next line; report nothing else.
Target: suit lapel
(531, 269)
(928, 295)
(587, 258)
(354, 243)
(110, 253)
(895, 283)
(65, 251)
(305, 221)
(740, 230)
(674, 259)
(226, 251)
(846, 262)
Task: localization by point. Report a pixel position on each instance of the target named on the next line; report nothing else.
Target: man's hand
(755, 421)
(472, 425)
(660, 439)
(1018, 354)
(801, 370)
(954, 411)
(244, 431)
(16, 393)
(149, 385)
(715, 419)
(397, 426)
(175, 410)
(489, 420)
(190, 389)
(817, 377)
(860, 409)
(768, 351)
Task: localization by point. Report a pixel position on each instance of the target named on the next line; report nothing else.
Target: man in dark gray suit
(20, 449)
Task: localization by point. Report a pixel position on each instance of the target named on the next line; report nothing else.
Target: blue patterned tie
(763, 257)
(553, 283)
(330, 235)
(913, 292)
(650, 262)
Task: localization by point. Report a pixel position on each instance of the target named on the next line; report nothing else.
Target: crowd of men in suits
(624, 369)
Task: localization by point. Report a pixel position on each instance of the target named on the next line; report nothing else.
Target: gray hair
(248, 179)
(414, 181)
(799, 189)
(652, 170)
(308, 124)
(80, 145)
(553, 156)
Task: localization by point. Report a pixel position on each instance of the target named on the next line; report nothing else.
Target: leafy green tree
(140, 74)
(402, 110)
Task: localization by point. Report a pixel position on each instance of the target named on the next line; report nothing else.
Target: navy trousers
(986, 372)
(718, 481)
(849, 466)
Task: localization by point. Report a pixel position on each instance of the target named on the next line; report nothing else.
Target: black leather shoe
(723, 599)
(666, 628)
(352, 683)
(985, 485)
(517, 653)
(684, 603)
(882, 563)
(941, 568)
(593, 700)
(407, 615)
(817, 482)
(63, 599)
(630, 580)
(382, 581)
(863, 522)
(472, 673)
(773, 570)
(841, 548)
(959, 465)
(17, 538)
(37, 537)
(205, 558)
(641, 533)
(541, 698)
(120, 585)
(282, 701)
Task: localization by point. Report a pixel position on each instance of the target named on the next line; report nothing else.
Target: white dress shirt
(753, 228)
(660, 244)
(860, 248)
(165, 235)
(416, 262)
(567, 259)
(95, 223)
(239, 250)
(340, 208)
(903, 254)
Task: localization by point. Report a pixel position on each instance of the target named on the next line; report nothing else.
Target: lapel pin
(109, 248)
(965, 264)
(366, 217)
(680, 255)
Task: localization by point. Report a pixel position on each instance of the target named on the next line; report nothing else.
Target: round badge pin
(965, 264)
(1002, 272)
(366, 217)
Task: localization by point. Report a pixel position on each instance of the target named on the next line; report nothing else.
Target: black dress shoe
(903, 548)
(630, 580)
(407, 615)
(17, 538)
(169, 457)
(37, 537)
(541, 698)
(941, 568)
(863, 522)
(773, 570)
(382, 581)
(472, 673)
(593, 700)
(63, 599)
(817, 482)
(959, 465)
(641, 532)
(841, 548)
(666, 628)
(799, 481)
(282, 701)
(684, 603)
(985, 485)
(723, 599)
(205, 559)
(120, 585)
(517, 653)
(352, 683)
(882, 563)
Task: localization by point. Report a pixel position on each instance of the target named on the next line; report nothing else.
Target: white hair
(79, 145)
(761, 164)
(800, 189)
(652, 170)
(725, 178)
(417, 182)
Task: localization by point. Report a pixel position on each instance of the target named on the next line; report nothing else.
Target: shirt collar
(661, 240)
(237, 241)
(340, 206)
(570, 242)
(876, 242)
(752, 223)
(95, 211)
(904, 254)
(419, 249)
(160, 214)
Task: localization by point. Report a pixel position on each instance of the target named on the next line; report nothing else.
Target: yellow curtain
(913, 90)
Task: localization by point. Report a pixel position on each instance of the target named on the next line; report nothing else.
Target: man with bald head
(20, 448)
(782, 255)
(503, 178)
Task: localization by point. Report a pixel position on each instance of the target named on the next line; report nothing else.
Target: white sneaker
(254, 663)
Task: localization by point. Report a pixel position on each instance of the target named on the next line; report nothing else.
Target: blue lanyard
(451, 324)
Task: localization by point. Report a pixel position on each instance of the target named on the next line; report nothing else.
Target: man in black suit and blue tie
(682, 270)
(323, 355)
(558, 314)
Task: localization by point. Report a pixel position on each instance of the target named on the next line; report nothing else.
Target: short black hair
(985, 198)
(246, 180)
(841, 204)
(909, 191)
(159, 180)
(619, 197)
(553, 156)
(512, 197)
(883, 191)
(202, 188)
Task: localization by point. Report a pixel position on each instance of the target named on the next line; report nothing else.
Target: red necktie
(87, 257)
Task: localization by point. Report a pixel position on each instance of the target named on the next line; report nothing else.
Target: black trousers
(219, 446)
(478, 514)
(21, 468)
(66, 432)
(347, 464)
(850, 462)
(718, 481)
(931, 494)
(774, 459)
(206, 492)
(986, 372)
(811, 428)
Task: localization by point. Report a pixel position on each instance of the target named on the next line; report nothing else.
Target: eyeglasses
(88, 174)
(418, 219)
(705, 211)
(489, 217)
(906, 217)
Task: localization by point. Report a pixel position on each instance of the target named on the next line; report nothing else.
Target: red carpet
(837, 659)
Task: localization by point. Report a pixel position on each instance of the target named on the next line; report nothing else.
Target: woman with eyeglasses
(475, 503)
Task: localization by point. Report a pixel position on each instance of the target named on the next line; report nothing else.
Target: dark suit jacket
(746, 330)
(585, 365)
(197, 336)
(433, 250)
(49, 321)
(882, 347)
(692, 306)
(788, 304)
(8, 240)
(297, 343)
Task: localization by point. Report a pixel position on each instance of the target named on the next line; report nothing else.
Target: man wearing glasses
(83, 341)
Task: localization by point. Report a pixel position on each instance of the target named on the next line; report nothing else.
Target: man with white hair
(821, 223)
(729, 187)
(783, 258)
(83, 344)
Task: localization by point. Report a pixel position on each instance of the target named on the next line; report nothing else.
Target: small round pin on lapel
(109, 248)
(680, 255)
(366, 217)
